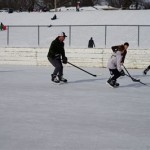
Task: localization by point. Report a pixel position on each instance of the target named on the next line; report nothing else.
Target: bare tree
(30, 4)
(126, 4)
(87, 2)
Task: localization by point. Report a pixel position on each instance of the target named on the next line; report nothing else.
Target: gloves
(122, 73)
(64, 60)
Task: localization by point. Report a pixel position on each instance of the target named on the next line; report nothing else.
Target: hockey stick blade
(143, 83)
(136, 80)
(133, 79)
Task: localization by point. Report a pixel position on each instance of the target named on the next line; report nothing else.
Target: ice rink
(84, 114)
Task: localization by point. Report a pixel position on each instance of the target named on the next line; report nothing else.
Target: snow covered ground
(28, 36)
(84, 114)
(85, 17)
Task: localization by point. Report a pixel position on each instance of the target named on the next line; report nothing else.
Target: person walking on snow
(114, 66)
(56, 57)
(1, 26)
(91, 43)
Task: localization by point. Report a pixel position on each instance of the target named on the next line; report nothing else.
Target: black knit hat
(126, 43)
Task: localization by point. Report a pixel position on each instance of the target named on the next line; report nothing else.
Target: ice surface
(84, 114)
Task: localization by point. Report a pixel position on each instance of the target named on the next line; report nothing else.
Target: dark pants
(115, 74)
(58, 66)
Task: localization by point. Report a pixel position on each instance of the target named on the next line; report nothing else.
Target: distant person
(146, 70)
(91, 43)
(136, 5)
(54, 17)
(2, 27)
(20, 9)
(78, 6)
(56, 57)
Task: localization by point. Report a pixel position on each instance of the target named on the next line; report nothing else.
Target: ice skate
(54, 79)
(61, 79)
(117, 84)
(111, 83)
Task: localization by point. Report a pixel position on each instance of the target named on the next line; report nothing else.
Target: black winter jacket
(56, 49)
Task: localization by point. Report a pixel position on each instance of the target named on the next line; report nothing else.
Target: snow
(86, 17)
(28, 36)
(84, 114)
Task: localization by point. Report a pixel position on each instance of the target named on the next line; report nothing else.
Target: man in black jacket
(55, 54)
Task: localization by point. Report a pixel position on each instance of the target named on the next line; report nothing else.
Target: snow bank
(80, 57)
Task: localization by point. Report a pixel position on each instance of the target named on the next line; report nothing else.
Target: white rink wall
(136, 58)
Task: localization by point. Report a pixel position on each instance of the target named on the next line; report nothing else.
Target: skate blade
(111, 85)
(55, 83)
(61, 83)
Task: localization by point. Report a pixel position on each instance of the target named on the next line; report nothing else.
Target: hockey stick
(136, 80)
(94, 75)
(133, 79)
